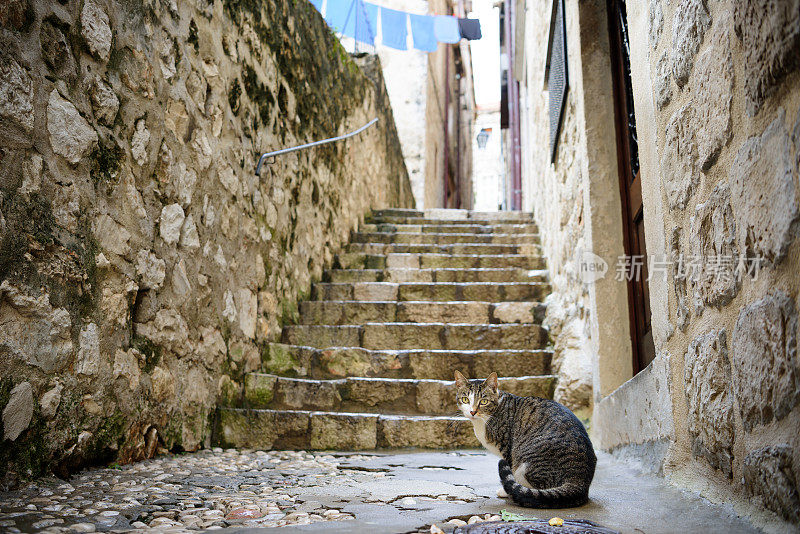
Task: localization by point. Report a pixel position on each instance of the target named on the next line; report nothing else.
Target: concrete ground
(246, 491)
(421, 488)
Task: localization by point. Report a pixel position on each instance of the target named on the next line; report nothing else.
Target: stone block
(104, 102)
(371, 392)
(262, 429)
(89, 360)
(70, 135)
(512, 363)
(689, 25)
(679, 160)
(707, 375)
(656, 23)
(766, 367)
(529, 386)
(375, 291)
(34, 332)
(434, 365)
(436, 397)
(764, 195)
(16, 106)
(712, 238)
(324, 336)
(96, 30)
(259, 389)
(351, 361)
(430, 432)
(171, 222)
(343, 431)
(402, 336)
(402, 261)
(443, 312)
(770, 36)
(513, 312)
(18, 412)
(303, 394)
(712, 92)
(769, 473)
(662, 80)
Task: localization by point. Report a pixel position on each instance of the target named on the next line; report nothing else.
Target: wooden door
(630, 185)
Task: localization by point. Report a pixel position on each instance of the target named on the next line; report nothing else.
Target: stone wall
(724, 97)
(143, 264)
(716, 88)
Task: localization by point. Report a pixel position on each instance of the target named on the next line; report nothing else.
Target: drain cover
(536, 526)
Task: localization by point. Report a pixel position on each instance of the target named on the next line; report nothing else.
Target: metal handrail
(266, 155)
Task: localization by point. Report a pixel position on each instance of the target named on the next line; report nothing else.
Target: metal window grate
(556, 76)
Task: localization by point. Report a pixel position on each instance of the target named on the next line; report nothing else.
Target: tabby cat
(547, 459)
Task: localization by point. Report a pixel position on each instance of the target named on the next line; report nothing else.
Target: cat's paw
(502, 493)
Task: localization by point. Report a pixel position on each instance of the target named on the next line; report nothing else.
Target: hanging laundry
(349, 17)
(339, 13)
(372, 19)
(446, 29)
(394, 29)
(422, 33)
(361, 30)
(317, 4)
(469, 28)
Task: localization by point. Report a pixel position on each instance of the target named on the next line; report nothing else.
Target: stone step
(345, 312)
(282, 429)
(528, 249)
(450, 215)
(374, 395)
(419, 336)
(449, 275)
(439, 291)
(460, 227)
(443, 238)
(337, 362)
(358, 260)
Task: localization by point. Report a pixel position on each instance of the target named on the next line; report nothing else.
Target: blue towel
(422, 33)
(372, 20)
(445, 29)
(349, 17)
(393, 26)
(340, 12)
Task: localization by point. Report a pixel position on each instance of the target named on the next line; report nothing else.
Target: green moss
(28, 456)
(106, 160)
(326, 83)
(278, 359)
(259, 390)
(192, 39)
(234, 96)
(151, 351)
(258, 93)
(107, 440)
(289, 312)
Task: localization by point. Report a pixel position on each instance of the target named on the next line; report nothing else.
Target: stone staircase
(370, 362)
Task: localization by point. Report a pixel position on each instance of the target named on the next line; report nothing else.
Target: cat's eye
(464, 399)
(483, 402)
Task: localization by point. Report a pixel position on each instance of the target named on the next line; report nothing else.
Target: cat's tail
(568, 495)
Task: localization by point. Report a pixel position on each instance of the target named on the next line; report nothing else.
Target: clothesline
(360, 20)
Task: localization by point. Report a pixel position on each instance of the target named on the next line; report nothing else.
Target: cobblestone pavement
(249, 492)
(204, 490)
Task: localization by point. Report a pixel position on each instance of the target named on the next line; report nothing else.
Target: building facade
(660, 143)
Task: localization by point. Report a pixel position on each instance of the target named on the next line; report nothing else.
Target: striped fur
(538, 439)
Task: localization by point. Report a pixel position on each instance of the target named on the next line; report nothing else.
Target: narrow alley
(247, 245)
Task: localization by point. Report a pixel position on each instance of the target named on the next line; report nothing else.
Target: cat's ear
(491, 381)
(461, 380)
